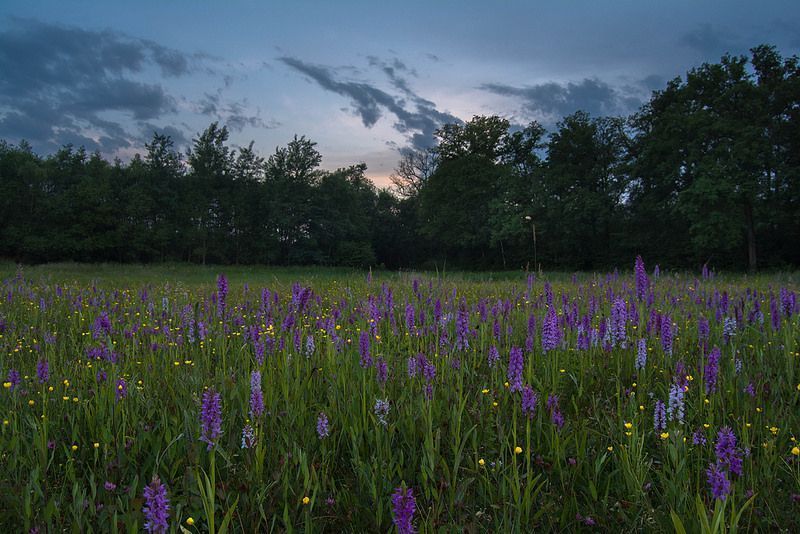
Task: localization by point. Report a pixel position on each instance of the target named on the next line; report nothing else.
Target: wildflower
(222, 293)
(156, 508)
(642, 282)
(718, 481)
(515, 366)
(795, 451)
(381, 371)
(555, 412)
(190, 521)
(122, 389)
(462, 327)
(403, 506)
(665, 435)
(13, 379)
(529, 399)
(411, 366)
(728, 329)
(618, 321)
(551, 333)
(702, 329)
(494, 356)
(363, 349)
(43, 371)
(248, 437)
(666, 334)
(699, 438)
(109, 486)
(429, 372)
(482, 462)
(712, 370)
(660, 416)
(726, 451)
(256, 395)
(675, 403)
(306, 500)
(323, 429)
(211, 417)
(381, 410)
(517, 450)
(641, 355)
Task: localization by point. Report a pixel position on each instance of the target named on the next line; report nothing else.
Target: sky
(364, 80)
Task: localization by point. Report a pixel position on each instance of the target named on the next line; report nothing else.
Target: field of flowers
(627, 401)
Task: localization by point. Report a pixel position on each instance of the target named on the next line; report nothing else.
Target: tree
(413, 170)
(482, 136)
(207, 190)
(290, 176)
(583, 187)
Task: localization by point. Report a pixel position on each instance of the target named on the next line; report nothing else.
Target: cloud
(415, 117)
(711, 41)
(60, 84)
(232, 113)
(551, 101)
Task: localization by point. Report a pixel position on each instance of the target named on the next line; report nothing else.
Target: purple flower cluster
(729, 458)
(323, 428)
(551, 333)
(14, 378)
(363, 349)
(210, 417)
(381, 371)
(256, 395)
(121, 389)
(515, 367)
(660, 416)
(711, 370)
(666, 334)
(222, 293)
(699, 437)
(529, 400)
(494, 356)
(403, 507)
(156, 507)
(642, 282)
(462, 326)
(641, 355)
(381, 410)
(718, 482)
(726, 451)
(555, 412)
(429, 372)
(619, 318)
(675, 403)
(248, 437)
(43, 371)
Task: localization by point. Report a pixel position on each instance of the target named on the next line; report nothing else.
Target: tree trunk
(751, 238)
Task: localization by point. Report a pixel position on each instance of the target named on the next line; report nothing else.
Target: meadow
(213, 399)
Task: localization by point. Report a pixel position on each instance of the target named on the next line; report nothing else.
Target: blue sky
(362, 79)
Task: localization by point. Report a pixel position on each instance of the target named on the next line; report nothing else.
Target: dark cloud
(711, 42)
(233, 114)
(60, 84)
(549, 102)
(178, 136)
(415, 116)
(653, 82)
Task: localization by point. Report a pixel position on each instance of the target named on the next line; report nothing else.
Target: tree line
(707, 171)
